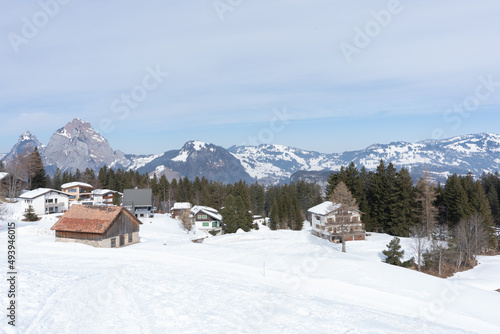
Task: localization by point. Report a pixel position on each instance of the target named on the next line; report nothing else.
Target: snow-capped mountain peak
(25, 144)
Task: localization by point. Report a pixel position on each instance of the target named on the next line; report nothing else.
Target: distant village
(456, 221)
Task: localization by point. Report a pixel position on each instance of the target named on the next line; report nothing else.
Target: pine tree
(275, 214)
(230, 215)
(456, 201)
(37, 171)
(395, 254)
(402, 210)
(30, 215)
(57, 179)
(379, 198)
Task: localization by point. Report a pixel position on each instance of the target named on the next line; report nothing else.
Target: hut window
(205, 224)
(130, 237)
(113, 242)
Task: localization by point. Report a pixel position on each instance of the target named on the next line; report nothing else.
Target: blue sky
(322, 75)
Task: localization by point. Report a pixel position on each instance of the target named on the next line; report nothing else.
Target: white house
(104, 196)
(207, 218)
(45, 201)
(331, 221)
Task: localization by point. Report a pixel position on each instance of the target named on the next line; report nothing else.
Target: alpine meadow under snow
(257, 282)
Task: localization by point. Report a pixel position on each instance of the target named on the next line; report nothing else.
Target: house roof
(40, 192)
(3, 175)
(90, 219)
(324, 208)
(206, 210)
(327, 207)
(138, 197)
(75, 184)
(104, 191)
(182, 206)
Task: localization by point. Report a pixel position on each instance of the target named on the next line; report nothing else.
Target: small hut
(98, 226)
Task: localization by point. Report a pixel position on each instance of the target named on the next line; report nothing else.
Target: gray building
(138, 201)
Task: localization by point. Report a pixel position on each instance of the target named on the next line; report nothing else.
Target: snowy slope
(258, 282)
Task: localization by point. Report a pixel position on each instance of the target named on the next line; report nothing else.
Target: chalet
(45, 201)
(138, 201)
(206, 218)
(332, 220)
(78, 191)
(98, 226)
(180, 209)
(104, 196)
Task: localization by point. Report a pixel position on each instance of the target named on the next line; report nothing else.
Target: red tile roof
(90, 219)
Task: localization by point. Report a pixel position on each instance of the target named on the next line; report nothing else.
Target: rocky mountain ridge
(78, 145)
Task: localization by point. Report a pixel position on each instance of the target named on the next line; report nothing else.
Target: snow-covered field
(257, 282)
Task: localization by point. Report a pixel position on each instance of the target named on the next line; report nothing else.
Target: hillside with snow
(258, 282)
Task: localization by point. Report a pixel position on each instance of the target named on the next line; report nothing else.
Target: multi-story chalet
(331, 221)
(78, 191)
(207, 218)
(45, 201)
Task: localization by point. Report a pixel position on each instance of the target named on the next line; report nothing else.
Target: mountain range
(78, 145)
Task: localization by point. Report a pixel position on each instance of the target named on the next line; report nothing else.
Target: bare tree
(187, 220)
(471, 238)
(426, 196)
(341, 195)
(419, 243)
(18, 173)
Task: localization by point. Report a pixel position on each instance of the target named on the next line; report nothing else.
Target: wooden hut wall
(123, 225)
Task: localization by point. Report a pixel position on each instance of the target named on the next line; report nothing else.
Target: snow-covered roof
(206, 210)
(324, 208)
(40, 192)
(104, 191)
(75, 184)
(181, 206)
(3, 175)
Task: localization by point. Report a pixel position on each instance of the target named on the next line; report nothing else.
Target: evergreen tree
(30, 215)
(395, 254)
(455, 200)
(37, 171)
(57, 179)
(379, 198)
(230, 215)
(275, 214)
(257, 198)
(402, 210)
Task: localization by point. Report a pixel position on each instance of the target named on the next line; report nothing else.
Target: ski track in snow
(258, 282)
